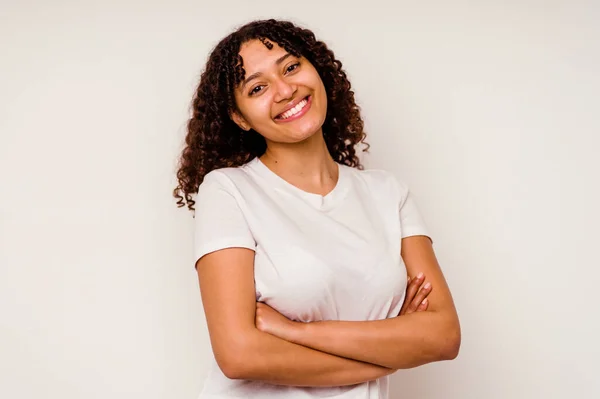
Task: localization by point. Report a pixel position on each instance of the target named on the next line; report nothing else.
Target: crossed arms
(253, 343)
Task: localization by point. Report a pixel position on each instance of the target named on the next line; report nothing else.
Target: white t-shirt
(333, 257)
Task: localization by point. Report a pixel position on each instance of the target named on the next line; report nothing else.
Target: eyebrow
(257, 74)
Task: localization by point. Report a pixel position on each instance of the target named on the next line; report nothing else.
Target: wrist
(297, 331)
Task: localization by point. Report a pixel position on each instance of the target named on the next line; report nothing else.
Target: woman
(302, 256)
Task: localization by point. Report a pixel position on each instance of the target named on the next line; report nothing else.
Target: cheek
(324, 100)
(258, 111)
(322, 103)
(322, 94)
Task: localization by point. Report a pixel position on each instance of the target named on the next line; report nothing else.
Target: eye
(254, 90)
(292, 67)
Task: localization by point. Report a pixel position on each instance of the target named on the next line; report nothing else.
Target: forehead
(256, 56)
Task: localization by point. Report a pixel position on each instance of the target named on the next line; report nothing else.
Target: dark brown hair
(214, 141)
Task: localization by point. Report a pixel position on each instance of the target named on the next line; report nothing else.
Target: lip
(299, 114)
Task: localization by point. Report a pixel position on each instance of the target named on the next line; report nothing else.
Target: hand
(416, 295)
(270, 321)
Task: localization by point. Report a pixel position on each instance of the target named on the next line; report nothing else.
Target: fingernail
(420, 275)
(425, 301)
(427, 286)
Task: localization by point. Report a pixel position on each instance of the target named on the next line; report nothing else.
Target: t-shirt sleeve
(219, 221)
(411, 221)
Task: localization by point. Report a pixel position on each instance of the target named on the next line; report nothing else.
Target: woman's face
(282, 97)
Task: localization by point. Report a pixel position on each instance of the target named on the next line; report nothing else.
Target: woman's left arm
(398, 343)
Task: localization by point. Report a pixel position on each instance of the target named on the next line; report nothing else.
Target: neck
(307, 165)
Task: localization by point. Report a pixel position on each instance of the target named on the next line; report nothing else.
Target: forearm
(267, 358)
(397, 343)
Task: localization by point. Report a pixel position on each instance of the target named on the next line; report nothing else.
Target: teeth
(294, 110)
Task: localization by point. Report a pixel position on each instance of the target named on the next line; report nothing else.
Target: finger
(411, 291)
(423, 305)
(421, 295)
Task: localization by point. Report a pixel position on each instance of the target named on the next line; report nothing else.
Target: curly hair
(214, 141)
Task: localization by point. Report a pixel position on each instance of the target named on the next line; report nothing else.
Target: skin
(252, 341)
(398, 343)
(296, 150)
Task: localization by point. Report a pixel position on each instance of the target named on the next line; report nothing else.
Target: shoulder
(381, 182)
(227, 179)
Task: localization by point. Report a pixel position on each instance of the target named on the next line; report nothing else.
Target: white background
(488, 110)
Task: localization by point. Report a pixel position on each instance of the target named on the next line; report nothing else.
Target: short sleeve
(219, 221)
(411, 221)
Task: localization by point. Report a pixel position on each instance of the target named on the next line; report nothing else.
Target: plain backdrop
(489, 110)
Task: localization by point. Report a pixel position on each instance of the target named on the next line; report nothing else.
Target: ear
(239, 120)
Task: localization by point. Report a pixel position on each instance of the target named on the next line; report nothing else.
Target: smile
(298, 111)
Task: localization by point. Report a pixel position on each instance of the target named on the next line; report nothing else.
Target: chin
(306, 132)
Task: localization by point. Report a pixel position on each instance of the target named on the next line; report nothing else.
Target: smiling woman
(303, 257)
(285, 88)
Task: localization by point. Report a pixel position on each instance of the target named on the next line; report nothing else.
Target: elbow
(451, 341)
(230, 360)
(231, 369)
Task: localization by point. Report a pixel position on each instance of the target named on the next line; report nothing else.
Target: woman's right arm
(243, 352)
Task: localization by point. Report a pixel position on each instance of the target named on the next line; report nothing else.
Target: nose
(284, 90)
